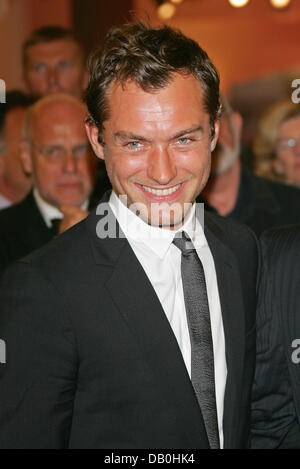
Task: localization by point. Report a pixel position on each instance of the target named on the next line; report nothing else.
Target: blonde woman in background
(277, 145)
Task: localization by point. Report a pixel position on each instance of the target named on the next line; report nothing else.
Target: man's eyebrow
(122, 136)
(128, 136)
(195, 128)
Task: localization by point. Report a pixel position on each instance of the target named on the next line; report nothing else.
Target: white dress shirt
(4, 202)
(161, 261)
(50, 212)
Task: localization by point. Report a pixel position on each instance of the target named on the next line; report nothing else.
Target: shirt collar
(48, 211)
(157, 240)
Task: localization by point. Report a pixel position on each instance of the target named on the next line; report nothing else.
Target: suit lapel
(139, 306)
(232, 308)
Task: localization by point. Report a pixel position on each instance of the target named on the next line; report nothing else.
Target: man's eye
(133, 145)
(39, 68)
(64, 65)
(184, 140)
(53, 151)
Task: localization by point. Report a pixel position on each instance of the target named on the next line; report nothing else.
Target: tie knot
(183, 242)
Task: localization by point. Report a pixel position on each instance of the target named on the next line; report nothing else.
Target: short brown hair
(149, 57)
(49, 34)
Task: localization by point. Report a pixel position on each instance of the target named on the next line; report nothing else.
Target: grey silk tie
(198, 317)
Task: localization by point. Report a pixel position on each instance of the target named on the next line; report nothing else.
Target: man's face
(157, 147)
(55, 67)
(228, 146)
(59, 128)
(11, 169)
(287, 162)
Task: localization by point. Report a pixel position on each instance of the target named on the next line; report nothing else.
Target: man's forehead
(46, 50)
(52, 113)
(161, 113)
(176, 90)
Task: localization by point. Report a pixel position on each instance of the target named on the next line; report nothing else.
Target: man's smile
(166, 194)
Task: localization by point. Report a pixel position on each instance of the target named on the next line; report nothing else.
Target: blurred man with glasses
(56, 152)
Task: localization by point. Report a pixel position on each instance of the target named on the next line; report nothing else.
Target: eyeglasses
(57, 153)
(287, 144)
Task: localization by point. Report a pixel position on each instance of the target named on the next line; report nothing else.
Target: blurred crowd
(50, 178)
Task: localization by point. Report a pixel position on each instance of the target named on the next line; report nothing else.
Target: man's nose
(161, 167)
(52, 76)
(69, 163)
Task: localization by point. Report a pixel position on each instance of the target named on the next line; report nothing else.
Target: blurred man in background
(63, 167)
(237, 193)
(14, 183)
(53, 62)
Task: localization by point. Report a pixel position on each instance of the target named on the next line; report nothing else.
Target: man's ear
(93, 136)
(25, 155)
(214, 140)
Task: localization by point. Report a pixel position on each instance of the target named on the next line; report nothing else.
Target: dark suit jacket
(264, 204)
(23, 230)
(92, 361)
(276, 391)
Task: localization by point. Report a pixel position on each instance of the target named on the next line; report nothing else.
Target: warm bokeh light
(280, 3)
(238, 3)
(166, 11)
(176, 1)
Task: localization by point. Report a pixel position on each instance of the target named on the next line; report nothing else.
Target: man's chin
(165, 220)
(73, 201)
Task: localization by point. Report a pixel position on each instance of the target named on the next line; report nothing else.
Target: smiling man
(151, 147)
(142, 338)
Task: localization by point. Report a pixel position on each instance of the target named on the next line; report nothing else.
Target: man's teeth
(162, 191)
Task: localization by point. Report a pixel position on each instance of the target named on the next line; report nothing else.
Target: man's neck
(221, 192)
